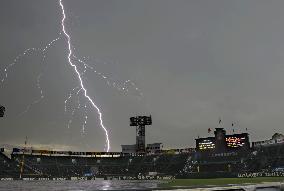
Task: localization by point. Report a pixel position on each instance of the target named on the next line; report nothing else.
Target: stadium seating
(8, 167)
(194, 164)
(68, 166)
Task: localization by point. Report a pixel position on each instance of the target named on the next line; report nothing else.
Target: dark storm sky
(195, 61)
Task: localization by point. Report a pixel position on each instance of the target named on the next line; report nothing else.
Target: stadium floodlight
(133, 121)
(140, 120)
(2, 111)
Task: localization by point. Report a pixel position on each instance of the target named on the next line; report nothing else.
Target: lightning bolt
(79, 76)
(78, 65)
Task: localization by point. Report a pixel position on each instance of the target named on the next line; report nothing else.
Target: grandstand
(11, 167)
(267, 157)
(82, 166)
(8, 168)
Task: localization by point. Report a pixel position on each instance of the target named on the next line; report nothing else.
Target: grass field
(220, 181)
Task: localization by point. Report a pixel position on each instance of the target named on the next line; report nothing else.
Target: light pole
(2, 111)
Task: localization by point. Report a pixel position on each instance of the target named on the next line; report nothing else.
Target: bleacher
(261, 159)
(266, 158)
(69, 166)
(8, 167)
(194, 164)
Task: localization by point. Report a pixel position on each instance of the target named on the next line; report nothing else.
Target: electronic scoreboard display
(233, 142)
(236, 141)
(206, 144)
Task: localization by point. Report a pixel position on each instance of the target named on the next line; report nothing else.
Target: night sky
(194, 61)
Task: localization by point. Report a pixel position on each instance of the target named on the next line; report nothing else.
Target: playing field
(221, 181)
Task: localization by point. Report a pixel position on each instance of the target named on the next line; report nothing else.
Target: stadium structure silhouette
(222, 155)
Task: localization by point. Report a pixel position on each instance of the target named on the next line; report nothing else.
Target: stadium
(222, 155)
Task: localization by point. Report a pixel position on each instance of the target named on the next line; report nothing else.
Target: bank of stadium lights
(140, 120)
(2, 111)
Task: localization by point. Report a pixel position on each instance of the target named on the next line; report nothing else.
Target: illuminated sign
(206, 144)
(235, 142)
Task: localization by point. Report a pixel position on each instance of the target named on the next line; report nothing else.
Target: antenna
(23, 158)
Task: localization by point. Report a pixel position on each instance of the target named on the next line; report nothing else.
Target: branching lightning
(38, 100)
(69, 97)
(79, 76)
(85, 119)
(80, 67)
(124, 87)
(43, 50)
(74, 109)
(26, 52)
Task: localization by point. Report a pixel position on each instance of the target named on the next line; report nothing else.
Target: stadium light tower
(140, 122)
(2, 111)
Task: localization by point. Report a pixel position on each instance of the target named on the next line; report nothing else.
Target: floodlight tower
(2, 111)
(140, 122)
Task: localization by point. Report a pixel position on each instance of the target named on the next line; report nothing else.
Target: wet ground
(89, 185)
(92, 185)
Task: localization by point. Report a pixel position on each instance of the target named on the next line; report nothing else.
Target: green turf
(220, 181)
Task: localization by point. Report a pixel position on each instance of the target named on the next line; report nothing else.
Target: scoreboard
(237, 141)
(232, 142)
(206, 144)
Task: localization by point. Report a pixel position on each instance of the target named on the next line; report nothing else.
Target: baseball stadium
(220, 156)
